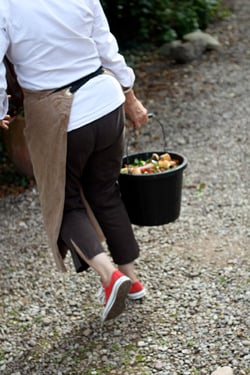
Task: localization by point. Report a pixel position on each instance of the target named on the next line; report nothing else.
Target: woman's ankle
(128, 270)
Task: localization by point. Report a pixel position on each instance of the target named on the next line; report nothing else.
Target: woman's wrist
(130, 96)
(126, 90)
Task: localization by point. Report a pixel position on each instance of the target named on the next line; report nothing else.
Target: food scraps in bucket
(156, 164)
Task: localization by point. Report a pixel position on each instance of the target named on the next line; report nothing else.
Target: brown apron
(46, 118)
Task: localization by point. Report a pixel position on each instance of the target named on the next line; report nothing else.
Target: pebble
(223, 371)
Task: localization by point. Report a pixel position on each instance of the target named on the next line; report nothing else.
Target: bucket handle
(150, 115)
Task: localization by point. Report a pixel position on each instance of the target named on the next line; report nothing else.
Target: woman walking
(76, 87)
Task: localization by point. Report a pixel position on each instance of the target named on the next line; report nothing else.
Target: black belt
(74, 86)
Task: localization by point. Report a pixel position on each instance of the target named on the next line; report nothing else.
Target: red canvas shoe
(136, 291)
(115, 295)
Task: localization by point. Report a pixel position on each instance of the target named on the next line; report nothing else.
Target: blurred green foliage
(9, 177)
(157, 21)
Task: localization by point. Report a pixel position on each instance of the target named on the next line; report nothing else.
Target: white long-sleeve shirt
(52, 43)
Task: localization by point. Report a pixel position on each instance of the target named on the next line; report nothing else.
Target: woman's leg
(94, 157)
(76, 225)
(129, 270)
(102, 191)
(77, 231)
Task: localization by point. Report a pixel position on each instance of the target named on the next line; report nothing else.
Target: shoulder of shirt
(4, 11)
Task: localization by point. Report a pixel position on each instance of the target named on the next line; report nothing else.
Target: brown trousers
(94, 154)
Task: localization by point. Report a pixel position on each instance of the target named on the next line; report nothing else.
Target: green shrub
(158, 21)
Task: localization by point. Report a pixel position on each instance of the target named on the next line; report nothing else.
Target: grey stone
(183, 52)
(165, 49)
(186, 52)
(208, 40)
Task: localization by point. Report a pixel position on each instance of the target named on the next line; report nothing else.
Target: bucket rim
(180, 167)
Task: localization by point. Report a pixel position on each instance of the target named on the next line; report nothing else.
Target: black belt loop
(74, 86)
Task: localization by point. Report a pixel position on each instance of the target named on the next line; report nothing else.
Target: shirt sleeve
(108, 49)
(3, 82)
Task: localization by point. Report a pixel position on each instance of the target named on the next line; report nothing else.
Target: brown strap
(13, 89)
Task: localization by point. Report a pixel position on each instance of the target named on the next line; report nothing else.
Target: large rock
(199, 36)
(190, 51)
(190, 48)
(183, 52)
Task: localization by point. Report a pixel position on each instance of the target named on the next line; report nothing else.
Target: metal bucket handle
(150, 115)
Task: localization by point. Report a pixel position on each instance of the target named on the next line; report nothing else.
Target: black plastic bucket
(153, 199)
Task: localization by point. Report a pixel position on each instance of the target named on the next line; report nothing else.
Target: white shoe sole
(137, 295)
(117, 299)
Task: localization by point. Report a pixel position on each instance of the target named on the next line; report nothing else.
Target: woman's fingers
(4, 123)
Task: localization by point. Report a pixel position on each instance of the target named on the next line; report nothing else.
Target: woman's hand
(4, 123)
(134, 110)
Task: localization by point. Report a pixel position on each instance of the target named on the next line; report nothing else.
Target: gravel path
(196, 270)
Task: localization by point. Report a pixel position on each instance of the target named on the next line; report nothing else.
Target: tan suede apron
(46, 118)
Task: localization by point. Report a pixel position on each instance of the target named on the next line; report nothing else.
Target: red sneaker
(136, 291)
(115, 295)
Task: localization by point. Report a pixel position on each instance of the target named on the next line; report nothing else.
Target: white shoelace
(101, 295)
